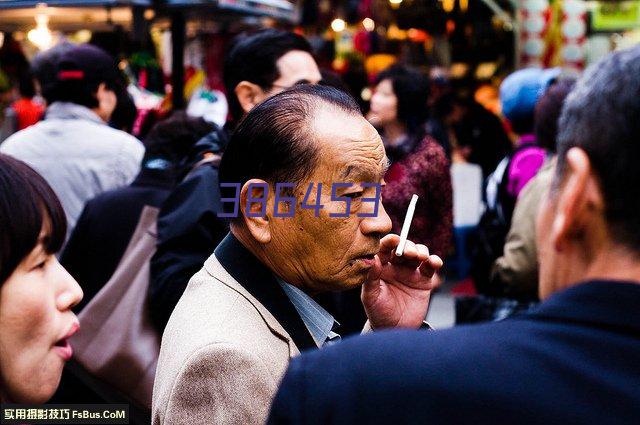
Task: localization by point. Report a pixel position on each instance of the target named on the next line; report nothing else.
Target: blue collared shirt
(317, 320)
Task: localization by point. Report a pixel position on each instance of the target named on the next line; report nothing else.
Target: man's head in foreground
(309, 135)
(589, 225)
(262, 64)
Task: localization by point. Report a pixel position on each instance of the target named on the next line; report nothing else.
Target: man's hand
(397, 290)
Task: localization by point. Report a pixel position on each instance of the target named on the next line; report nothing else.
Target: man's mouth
(368, 259)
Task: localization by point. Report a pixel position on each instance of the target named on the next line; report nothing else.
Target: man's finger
(431, 266)
(413, 256)
(424, 251)
(405, 274)
(387, 245)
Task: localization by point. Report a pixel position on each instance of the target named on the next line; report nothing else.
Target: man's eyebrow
(345, 173)
(350, 168)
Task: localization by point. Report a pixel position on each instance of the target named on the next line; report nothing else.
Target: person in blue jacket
(571, 360)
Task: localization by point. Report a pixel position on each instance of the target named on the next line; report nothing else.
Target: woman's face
(35, 323)
(384, 105)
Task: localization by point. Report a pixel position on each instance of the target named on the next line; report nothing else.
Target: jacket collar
(260, 282)
(67, 110)
(598, 302)
(164, 179)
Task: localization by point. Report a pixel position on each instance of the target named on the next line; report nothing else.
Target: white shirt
(77, 154)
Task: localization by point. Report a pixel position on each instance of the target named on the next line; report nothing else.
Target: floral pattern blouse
(425, 171)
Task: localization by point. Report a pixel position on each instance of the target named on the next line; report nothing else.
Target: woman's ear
(254, 203)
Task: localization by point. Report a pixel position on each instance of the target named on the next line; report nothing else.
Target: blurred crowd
(126, 275)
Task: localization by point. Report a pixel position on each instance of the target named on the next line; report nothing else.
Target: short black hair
(411, 88)
(601, 116)
(253, 58)
(273, 143)
(80, 92)
(172, 138)
(26, 203)
(548, 111)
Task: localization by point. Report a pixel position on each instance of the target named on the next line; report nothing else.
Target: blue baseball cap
(520, 91)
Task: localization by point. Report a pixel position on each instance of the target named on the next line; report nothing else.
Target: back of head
(27, 203)
(548, 111)
(273, 142)
(519, 93)
(411, 88)
(170, 140)
(253, 58)
(44, 65)
(79, 72)
(601, 116)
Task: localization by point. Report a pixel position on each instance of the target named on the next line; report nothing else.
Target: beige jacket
(517, 270)
(222, 355)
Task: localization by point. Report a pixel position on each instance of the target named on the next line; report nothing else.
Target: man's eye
(41, 265)
(353, 195)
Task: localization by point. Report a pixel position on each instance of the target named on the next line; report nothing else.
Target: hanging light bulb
(368, 24)
(41, 35)
(338, 25)
(396, 2)
(464, 5)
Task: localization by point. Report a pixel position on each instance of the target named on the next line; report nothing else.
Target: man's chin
(356, 280)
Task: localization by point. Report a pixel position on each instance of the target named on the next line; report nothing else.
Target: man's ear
(255, 205)
(249, 95)
(580, 200)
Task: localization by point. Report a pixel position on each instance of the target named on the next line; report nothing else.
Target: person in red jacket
(28, 111)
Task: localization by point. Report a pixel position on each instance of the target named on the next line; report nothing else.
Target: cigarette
(405, 226)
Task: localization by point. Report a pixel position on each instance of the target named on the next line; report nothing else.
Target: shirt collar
(318, 320)
(261, 283)
(68, 110)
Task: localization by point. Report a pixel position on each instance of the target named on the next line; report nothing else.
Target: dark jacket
(571, 360)
(188, 230)
(105, 227)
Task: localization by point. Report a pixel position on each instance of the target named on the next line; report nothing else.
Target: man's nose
(379, 224)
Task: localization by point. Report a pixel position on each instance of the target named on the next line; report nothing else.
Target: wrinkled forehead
(350, 148)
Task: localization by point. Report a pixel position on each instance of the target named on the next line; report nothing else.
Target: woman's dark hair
(548, 111)
(411, 87)
(125, 113)
(26, 87)
(27, 202)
